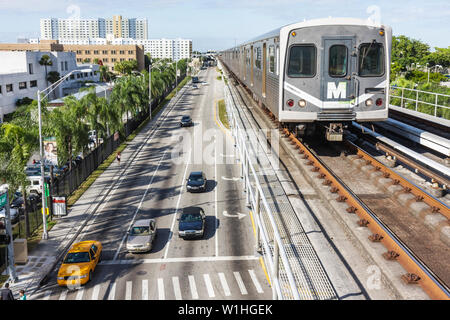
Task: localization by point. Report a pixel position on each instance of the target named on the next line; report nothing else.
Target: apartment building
(22, 76)
(78, 29)
(109, 54)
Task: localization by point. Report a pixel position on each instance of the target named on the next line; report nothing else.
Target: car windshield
(186, 118)
(77, 257)
(196, 177)
(139, 231)
(190, 217)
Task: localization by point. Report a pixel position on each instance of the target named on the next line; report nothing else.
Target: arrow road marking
(238, 215)
(233, 179)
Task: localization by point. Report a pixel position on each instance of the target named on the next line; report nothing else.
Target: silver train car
(318, 74)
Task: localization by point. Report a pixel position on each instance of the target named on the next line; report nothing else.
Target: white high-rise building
(80, 29)
(174, 49)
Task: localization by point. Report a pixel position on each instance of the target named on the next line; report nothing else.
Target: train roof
(313, 23)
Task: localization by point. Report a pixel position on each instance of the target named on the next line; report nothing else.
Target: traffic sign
(2, 200)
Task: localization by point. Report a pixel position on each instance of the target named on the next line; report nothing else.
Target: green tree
(52, 77)
(46, 61)
(441, 56)
(406, 51)
(126, 67)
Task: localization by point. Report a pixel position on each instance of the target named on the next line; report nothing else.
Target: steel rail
(431, 284)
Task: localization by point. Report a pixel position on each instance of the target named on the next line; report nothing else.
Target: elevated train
(318, 74)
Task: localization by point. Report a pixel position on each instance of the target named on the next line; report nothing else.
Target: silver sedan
(141, 235)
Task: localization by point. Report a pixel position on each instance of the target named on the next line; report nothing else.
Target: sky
(219, 24)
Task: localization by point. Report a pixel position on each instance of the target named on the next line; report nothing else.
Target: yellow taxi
(79, 263)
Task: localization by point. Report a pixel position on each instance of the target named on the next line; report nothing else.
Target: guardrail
(255, 197)
(436, 104)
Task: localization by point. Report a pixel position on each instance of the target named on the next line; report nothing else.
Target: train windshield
(371, 59)
(338, 61)
(302, 61)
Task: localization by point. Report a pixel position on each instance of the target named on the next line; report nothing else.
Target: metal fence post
(417, 99)
(401, 102)
(435, 105)
(276, 260)
(257, 220)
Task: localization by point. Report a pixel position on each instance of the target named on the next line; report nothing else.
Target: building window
(130, 51)
(65, 64)
(113, 59)
(105, 60)
(30, 68)
(78, 59)
(104, 51)
(78, 76)
(78, 51)
(86, 74)
(9, 87)
(122, 52)
(113, 51)
(122, 59)
(62, 66)
(22, 85)
(72, 76)
(33, 83)
(95, 51)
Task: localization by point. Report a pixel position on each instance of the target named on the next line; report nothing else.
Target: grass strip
(223, 113)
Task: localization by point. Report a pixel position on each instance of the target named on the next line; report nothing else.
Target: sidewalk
(43, 257)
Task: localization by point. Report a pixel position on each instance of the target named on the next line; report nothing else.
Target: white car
(13, 213)
(141, 236)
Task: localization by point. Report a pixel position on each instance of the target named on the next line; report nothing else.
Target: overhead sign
(59, 206)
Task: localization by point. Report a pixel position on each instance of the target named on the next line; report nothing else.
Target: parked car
(185, 121)
(196, 182)
(191, 223)
(13, 213)
(141, 236)
(79, 263)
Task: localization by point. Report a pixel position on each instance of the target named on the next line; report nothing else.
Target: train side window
(337, 65)
(272, 59)
(302, 61)
(278, 60)
(371, 60)
(258, 58)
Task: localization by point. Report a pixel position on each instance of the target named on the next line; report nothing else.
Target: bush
(23, 102)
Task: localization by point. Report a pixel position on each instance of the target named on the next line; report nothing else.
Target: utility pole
(44, 218)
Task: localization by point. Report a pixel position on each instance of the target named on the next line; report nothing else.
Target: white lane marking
(193, 287)
(241, 285)
(177, 206)
(47, 295)
(176, 288)
(96, 292)
(237, 215)
(63, 295)
(209, 286)
(144, 289)
(231, 179)
(224, 283)
(255, 281)
(128, 290)
(161, 289)
(112, 291)
(175, 260)
(80, 294)
(216, 233)
(139, 206)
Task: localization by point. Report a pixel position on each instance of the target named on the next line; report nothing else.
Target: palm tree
(46, 61)
(52, 77)
(20, 144)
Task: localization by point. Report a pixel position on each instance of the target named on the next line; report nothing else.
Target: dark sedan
(191, 223)
(196, 182)
(186, 121)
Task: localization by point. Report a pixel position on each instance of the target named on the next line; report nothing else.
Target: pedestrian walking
(22, 295)
(6, 293)
(118, 157)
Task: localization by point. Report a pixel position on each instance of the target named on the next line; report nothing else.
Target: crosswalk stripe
(112, 291)
(47, 295)
(241, 285)
(129, 286)
(63, 295)
(80, 294)
(95, 292)
(224, 283)
(144, 289)
(193, 287)
(255, 281)
(161, 289)
(209, 285)
(176, 288)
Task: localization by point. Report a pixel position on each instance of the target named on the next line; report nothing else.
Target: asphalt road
(221, 265)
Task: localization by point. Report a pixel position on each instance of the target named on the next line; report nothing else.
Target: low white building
(22, 76)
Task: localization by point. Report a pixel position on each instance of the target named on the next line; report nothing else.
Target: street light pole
(44, 218)
(150, 90)
(176, 78)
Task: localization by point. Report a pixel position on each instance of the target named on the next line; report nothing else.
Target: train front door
(338, 61)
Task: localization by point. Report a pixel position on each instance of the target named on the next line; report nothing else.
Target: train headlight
(302, 103)
(294, 34)
(381, 32)
(290, 103)
(379, 102)
(369, 102)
